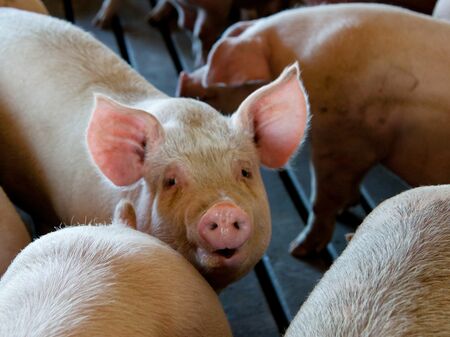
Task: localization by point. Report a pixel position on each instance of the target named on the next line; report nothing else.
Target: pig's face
(204, 194)
(208, 199)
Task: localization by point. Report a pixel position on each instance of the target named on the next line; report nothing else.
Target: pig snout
(224, 228)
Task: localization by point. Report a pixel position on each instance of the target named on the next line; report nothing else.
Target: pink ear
(118, 138)
(277, 114)
(236, 61)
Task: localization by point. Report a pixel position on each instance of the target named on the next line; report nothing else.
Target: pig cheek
(168, 222)
(262, 232)
(262, 227)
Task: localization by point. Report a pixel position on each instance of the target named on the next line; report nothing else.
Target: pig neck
(141, 198)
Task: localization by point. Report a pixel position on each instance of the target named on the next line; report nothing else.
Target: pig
(377, 80)
(29, 5)
(14, 235)
(80, 129)
(206, 19)
(107, 280)
(393, 277)
(442, 10)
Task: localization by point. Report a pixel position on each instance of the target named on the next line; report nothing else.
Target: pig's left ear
(118, 138)
(277, 115)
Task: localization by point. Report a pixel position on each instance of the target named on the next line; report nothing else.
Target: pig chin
(223, 258)
(221, 270)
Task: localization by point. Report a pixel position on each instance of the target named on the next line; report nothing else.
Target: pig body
(377, 80)
(80, 129)
(442, 10)
(106, 281)
(392, 279)
(14, 232)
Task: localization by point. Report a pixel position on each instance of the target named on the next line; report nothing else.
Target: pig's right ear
(277, 117)
(118, 138)
(235, 61)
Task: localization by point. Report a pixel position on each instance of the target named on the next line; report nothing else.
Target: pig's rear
(394, 277)
(106, 281)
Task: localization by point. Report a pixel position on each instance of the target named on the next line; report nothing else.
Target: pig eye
(170, 182)
(246, 173)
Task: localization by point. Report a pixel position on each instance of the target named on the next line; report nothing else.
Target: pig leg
(187, 16)
(104, 16)
(336, 176)
(162, 12)
(13, 233)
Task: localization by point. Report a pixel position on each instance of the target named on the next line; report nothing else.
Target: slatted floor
(263, 302)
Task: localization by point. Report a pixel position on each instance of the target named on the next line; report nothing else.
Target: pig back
(393, 278)
(106, 281)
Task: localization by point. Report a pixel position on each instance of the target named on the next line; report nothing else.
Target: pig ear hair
(118, 138)
(277, 115)
(236, 61)
(125, 214)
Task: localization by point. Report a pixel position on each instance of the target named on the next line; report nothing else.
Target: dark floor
(245, 303)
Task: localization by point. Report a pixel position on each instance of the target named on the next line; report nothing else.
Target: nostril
(213, 226)
(236, 225)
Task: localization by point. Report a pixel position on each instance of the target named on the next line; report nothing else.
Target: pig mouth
(226, 252)
(220, 258)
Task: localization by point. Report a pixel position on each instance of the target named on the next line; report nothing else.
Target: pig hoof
(305, 245)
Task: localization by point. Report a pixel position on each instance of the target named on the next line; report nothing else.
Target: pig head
(206, 196)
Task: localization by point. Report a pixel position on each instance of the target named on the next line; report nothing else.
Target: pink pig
(392, 279)
(377, 80)
(107, 280)
(80, 129)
